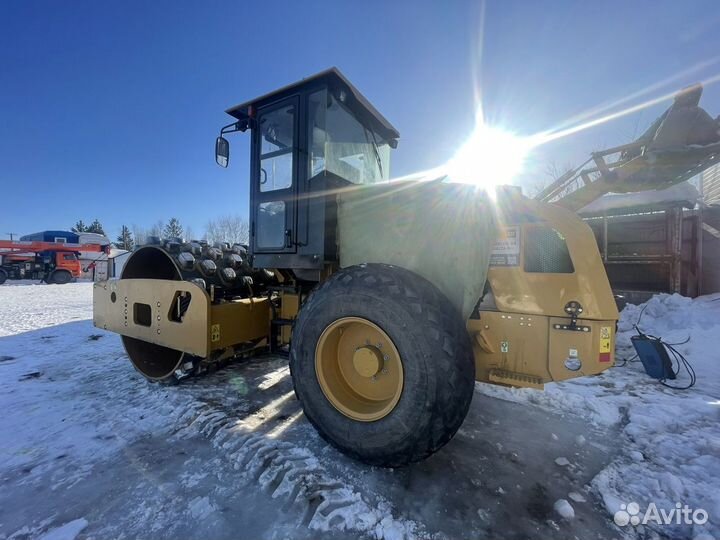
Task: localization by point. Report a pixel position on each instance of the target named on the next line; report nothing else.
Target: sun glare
(489, 158)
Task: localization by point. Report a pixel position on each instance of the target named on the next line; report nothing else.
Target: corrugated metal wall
(711, 250)
(710, 182)
(640, 254)
(642, 251)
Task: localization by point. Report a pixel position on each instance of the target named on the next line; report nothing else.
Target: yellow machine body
(526, 275)
(144, 309)
(521, 334)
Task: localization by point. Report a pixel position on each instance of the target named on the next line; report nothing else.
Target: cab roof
(333, 78)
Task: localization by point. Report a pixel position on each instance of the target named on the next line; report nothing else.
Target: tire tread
(441, 323)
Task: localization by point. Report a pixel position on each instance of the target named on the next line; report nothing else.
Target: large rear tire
(60, 277)
(3, 276)
(382, 364)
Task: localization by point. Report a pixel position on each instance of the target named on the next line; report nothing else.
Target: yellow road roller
(391, 298)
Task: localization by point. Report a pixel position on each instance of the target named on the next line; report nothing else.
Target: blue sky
(110, 110)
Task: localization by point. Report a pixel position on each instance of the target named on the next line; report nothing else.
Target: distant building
(53, 236)
(117, 261)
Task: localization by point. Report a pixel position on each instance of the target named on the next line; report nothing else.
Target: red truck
(51, 262)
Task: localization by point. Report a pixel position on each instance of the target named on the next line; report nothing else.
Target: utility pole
(11, 235)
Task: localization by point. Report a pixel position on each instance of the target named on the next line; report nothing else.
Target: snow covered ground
(88, 449)
(670, 438)
(72, 404)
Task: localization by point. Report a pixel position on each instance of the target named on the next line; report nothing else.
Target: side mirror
(222, 152)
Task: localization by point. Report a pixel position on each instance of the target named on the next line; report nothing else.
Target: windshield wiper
(375, 148)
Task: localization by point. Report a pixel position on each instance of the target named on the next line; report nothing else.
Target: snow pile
(672, 437)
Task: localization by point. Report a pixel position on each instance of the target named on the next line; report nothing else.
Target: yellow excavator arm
(682, 142)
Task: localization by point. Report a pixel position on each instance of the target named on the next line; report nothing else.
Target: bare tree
(632, 132)
(552, 172)
(161, 230)
(231, 228)
(157, 229)
(140, 234)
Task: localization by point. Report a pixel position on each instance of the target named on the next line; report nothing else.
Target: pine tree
(125, 239)
(173, 229)
(95, 227)
(79, 227)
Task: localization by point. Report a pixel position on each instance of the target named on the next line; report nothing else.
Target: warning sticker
(604, 344)
(604, 339)
(506, 251)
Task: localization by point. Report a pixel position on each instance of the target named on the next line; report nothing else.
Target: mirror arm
(240, 125)
(222, 147)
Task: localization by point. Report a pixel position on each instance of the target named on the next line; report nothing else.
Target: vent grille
(546, 252)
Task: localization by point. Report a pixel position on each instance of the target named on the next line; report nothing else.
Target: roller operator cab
(309, 141)
(391, 298)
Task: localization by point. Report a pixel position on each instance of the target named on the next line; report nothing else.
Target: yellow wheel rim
(359, 369)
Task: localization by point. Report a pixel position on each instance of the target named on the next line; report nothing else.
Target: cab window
(341, 144)
(69, 257)
(276, 148)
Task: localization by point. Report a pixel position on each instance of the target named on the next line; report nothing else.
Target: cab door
(275, 173)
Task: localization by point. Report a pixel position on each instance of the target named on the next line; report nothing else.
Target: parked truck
(51, 262)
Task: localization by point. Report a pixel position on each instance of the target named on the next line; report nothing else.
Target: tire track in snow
(288, 473)
(293, 475)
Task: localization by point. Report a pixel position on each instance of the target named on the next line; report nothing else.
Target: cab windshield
(341, 144)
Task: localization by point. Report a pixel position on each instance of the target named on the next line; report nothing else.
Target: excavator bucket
(682, 142)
